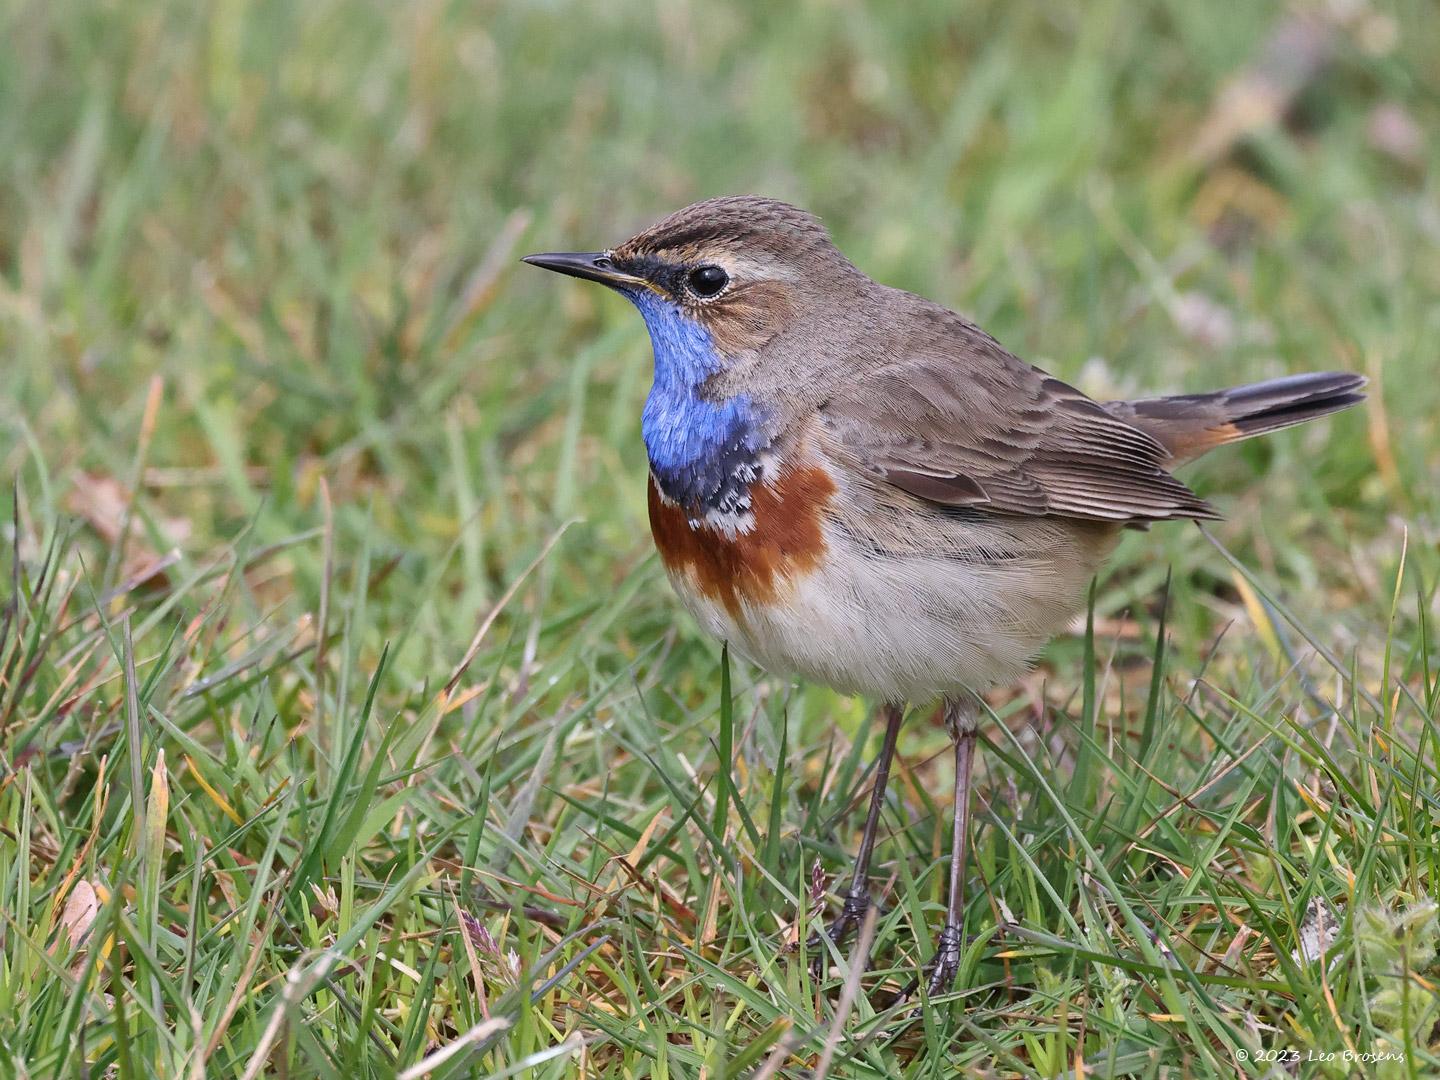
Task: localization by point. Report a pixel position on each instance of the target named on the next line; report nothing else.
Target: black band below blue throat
(717, 483)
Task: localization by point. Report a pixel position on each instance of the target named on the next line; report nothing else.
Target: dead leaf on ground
(81, 908)
(105, 504)
(1318, 931)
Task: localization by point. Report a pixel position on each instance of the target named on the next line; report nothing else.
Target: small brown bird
(858, 486)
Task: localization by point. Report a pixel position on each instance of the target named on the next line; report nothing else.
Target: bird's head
(718, 282)
(742, 269)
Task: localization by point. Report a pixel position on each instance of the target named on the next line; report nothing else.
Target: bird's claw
(943, 968)
(851, 915)
(939, 973)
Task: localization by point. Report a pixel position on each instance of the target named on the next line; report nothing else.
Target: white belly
(908, 629)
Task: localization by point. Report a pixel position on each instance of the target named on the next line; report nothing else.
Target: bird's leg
(857, 900)
(961, 717)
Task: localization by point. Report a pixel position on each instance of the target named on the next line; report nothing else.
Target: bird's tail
(1191, 424)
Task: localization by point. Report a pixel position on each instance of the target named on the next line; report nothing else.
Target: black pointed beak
(590, 265)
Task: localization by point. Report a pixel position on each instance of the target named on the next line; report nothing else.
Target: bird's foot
(851, 915)
(939, 973)
(942, 969)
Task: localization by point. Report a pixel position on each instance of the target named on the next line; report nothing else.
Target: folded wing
(992, 433)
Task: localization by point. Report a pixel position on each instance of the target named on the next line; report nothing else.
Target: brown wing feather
(985, 430)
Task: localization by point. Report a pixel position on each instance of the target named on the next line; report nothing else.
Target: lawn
(347, 725)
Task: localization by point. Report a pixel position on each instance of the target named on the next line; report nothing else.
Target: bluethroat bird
(857, 486)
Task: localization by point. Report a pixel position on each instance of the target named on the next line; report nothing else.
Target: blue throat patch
(703, 454)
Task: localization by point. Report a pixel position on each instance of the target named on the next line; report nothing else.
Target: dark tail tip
(1280, 403)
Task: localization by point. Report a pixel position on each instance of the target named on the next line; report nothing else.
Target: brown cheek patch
(785, 543)
(748, 318)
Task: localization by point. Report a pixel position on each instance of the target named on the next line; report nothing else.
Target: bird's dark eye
(707, 280)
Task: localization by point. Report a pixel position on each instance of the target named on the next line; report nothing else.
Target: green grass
(284, 428)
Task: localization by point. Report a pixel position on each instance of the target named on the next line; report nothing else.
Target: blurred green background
(276, 388)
